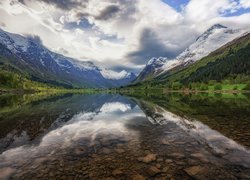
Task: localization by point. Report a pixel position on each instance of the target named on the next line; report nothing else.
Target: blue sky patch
(237, 13)
(176, 4)
(83, 24)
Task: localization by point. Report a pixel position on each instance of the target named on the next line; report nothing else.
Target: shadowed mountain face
(95, 136)
(34, 60)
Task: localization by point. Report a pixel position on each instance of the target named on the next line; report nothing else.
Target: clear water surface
(110, 136)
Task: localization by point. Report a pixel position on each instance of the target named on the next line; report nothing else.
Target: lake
(112, 136)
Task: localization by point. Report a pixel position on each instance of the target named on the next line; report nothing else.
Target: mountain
(118, 78)
(152, 69)
(35, 61)
(230, 63)
(227, 68)
(210, 40)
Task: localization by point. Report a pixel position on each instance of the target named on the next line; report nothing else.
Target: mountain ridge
(44, 65)
(214, 37)
(226, 68)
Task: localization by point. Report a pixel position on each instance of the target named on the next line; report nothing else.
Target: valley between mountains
(217, 60)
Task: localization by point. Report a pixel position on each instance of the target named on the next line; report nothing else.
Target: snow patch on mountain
(85, 65)
(60, 68)
(212, 39)
(152, 68)
(14, 42)
(157, 61)
(215, 37)
(109, 74)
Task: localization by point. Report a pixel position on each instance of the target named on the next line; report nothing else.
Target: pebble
(120, 151)
(148, 158)
(165, 142)
(158, 165)
(138, 177)
(178, 155)
(106, 151)
(165, 169)
(79, 151)
(168, 161)
(152, 171)
(159, 159)
(194, 170)
(116, 172)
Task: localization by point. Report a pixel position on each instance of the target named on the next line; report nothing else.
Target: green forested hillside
(10, 78)
(234, 66)
(13, 78)
(226, 68)
(15, 74)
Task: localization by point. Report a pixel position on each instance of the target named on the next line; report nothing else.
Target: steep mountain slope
(152, 69)
(231, 62)
(40, 64)
(210, 40)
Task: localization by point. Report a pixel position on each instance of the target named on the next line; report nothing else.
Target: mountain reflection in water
(112, 136)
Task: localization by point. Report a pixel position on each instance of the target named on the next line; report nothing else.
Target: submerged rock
(165, 142)
(168, 161)
(177, 155)
(138, 177)
(148, 158)
(106, 151)
(117, 172)
(152, 171)
(6, 172)
(120, 151)
(165, 169)
(79, 150)
(194, 170)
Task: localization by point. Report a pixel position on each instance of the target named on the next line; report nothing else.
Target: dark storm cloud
(128, 69)
(82, 15)
(80, 7)
(150, 46)
(62, 4)
(108, 12)
(34, 38)
(21, 1)
(105, 14)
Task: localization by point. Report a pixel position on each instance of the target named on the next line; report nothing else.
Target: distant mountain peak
(214, 28)
(210, 31)
(152, 67)
(157, 61)
(110, 74)
(217, 26)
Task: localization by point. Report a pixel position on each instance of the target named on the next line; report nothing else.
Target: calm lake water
(110, 136)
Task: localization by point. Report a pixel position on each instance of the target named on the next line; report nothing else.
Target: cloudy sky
(120, 34)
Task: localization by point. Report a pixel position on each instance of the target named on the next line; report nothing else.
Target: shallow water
(107, 136)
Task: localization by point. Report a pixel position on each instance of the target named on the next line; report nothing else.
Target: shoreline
(163, 91)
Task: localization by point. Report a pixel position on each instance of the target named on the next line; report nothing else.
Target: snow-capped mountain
(109, 74)
(29, 55)
(209, 41)
(215, 37)
(120, 78)
(152, 68)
